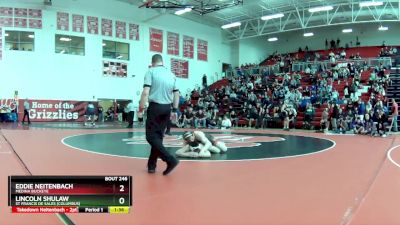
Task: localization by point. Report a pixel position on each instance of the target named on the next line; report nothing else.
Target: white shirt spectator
(226, 123)
(26, 105)
(335, 95)
(343, 54)
(130, 107)
(250, 85)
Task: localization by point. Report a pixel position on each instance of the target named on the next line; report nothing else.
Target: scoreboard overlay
(70, 194)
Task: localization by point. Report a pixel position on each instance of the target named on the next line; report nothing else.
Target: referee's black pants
(26, 114)
(131, 115)
(156, 123)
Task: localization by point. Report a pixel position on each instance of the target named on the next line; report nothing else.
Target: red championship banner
(19, 12)
(6, 22)
(33, 23)
(20, 22)
(106, 27)
(133, 32)
(54, 110)
(35, 13)
(202, 50)
(115, 69)
(77, 23)
(6, 11)
(92, 25)
(120, 29)
(156, 40)
(172, 43)
(1, 44)
(188, 47)
(180, 68)
(62, 21)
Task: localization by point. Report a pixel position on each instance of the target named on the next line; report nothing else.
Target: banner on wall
(156, 40)
(92, 25)
(54, 110)
(35, 13)
(106, 27)
(6, 22)
(34, 23)
(188, 47)
(120, 29)
(20, 12)
(1, 44)
(77, 23)
(133, 32)
(6, 11)
(20, 17)
(115, 69)
(202, 50)
(20, 22)
(62, 21)
(172, 43)
(180, 68)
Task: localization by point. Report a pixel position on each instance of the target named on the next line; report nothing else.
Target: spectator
(26, 111)
(204, 81)
(131, 114)
(200, 119)
(308, 116)
(188, 118)
(226, 123)
(325, 120)
(395, 113)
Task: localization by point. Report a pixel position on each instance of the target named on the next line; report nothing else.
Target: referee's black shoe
(170, 166)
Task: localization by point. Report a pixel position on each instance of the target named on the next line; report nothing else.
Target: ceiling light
(367, 4)
(104, 44)
(182, 11)
(31, 36)
(320, 9)
(274, 16)
(119, 57)
(230, 25)
(382, 28)
(347, 30)
(308, 34)
(6, 34)
(63, 51)
(65, 39)
(273, 39)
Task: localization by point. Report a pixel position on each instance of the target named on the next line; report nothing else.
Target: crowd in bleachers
(315, 98)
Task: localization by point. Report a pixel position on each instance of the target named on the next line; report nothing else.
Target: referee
(160, 91)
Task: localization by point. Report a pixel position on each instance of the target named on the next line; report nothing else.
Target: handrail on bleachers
(301, 66)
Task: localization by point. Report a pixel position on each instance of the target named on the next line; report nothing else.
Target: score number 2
(121, 200)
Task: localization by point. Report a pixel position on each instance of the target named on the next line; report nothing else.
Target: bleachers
(305, 81)
(365, 52)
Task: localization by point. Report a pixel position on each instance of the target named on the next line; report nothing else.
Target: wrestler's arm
(204, 141)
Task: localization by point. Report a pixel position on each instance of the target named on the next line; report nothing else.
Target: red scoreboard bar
(70, 194)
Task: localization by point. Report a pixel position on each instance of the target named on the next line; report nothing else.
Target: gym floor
(266, 177)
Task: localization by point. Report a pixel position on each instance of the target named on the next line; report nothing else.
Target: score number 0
(122, 199)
